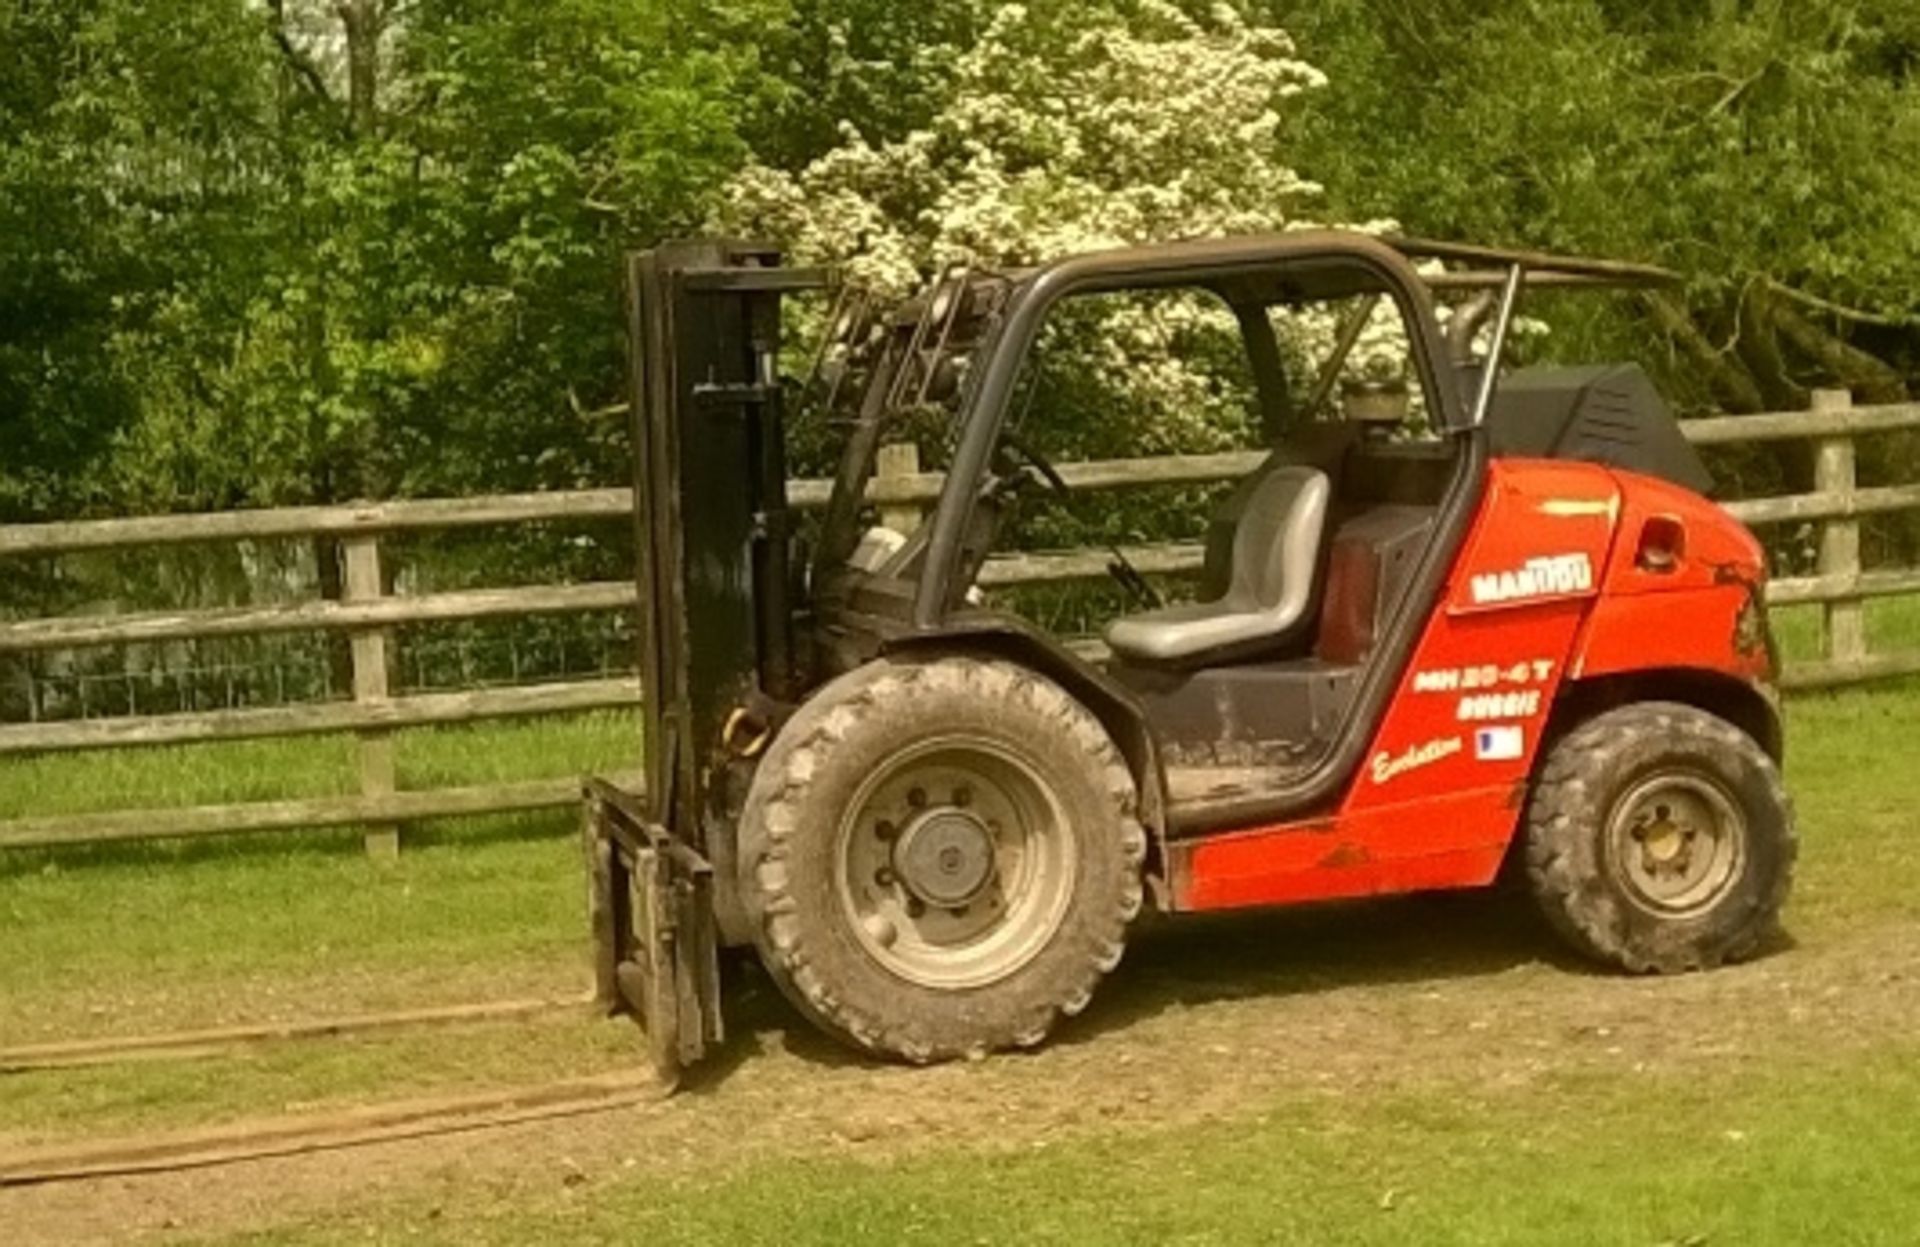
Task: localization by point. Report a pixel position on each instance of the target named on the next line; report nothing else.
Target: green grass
(262, 770)
(1854, 796)
(164, 940)
(1799, 1153)
(1893, 625)
(147, 936)
(490, 907)
(143, 937)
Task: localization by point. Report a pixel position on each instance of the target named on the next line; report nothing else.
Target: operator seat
(1276, 554)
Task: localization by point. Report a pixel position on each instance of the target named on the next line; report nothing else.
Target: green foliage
(875, 62)
(118, 170)
(1768, 139)
(226, 281)
(257, 251)
(1765, 136)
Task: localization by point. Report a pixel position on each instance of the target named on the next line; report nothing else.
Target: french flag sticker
(1500, 744)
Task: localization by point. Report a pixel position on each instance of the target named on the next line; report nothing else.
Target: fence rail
(366, 613)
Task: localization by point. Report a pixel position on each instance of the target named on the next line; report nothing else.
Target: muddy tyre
(941, 857)
(1660, 839)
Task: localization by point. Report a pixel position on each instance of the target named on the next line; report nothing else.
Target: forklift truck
(1525, 637)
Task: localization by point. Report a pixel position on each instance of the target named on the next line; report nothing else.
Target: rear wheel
(1660, 839)
(941, 856)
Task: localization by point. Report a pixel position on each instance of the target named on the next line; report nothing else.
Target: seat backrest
(1276, 545)
(1323, 445)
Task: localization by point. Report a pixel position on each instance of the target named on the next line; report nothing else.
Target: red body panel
(1691, 616)
(1546, 588)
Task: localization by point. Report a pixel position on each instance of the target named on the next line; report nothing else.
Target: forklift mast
(712, 526)
(713, 534)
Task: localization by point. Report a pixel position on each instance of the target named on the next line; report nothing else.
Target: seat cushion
(1276, 552)
(1185, 631)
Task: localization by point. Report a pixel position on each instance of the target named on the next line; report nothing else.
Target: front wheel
(941, 856)
(1660, 839)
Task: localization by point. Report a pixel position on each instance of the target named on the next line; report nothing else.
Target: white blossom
(1124, 132)
(1148, 128)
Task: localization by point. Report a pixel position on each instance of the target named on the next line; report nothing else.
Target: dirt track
(1209, 1018)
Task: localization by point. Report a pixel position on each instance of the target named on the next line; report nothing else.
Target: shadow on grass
(1421, 939)
(1189, 961)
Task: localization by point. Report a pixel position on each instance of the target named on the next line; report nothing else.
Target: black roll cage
(1217, 264)
(1247, 271)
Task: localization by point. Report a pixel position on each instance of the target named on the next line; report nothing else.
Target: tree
(1066, 129)
(265, 251)
(1061, 129)
(1770, 150)
(124, 157)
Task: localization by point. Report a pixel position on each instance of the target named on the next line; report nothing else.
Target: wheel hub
(1678, 843)
(944, 856)
(956, 862)
(1663, 843)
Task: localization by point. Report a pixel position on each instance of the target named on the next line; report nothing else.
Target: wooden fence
(365, 612)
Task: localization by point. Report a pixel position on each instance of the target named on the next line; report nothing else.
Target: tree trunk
(1873, 378)
(1759, 347)
(363, 22)
(1731, 383)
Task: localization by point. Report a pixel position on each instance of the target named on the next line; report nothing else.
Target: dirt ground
(1206, 1019)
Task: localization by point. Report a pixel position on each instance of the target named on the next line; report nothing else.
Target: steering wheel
(1137, 587)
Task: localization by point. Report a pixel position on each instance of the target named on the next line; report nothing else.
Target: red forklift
(1476, 615)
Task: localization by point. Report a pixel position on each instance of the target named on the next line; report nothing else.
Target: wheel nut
(880, 929)
(916, 797)
(915, 907)
(963, 796)
(884, 876)
(885, 830)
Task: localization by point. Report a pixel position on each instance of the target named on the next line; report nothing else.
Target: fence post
(1833, 473)
(363, 583)
(899, 459)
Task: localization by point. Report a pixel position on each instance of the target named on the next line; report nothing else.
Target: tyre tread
(1577, 906)
(801, 752)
